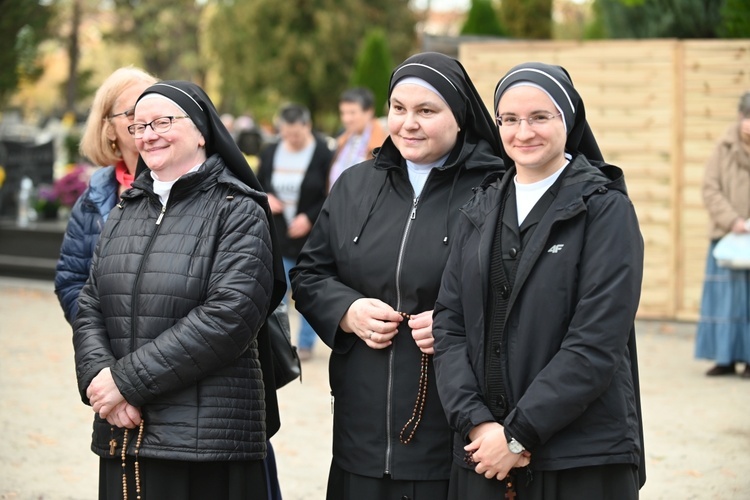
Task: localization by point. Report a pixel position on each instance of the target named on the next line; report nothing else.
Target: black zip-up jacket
(373, 239)
(173, 306)
(570, 368)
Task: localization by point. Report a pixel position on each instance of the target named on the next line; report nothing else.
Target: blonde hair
(94, 144)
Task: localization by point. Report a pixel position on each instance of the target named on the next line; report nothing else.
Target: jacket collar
(580, 180)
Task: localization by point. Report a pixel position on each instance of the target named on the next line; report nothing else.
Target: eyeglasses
(160, 125)
(129, 114)
(538, 119)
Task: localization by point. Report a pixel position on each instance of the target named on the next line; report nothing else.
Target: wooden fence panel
(657, 108)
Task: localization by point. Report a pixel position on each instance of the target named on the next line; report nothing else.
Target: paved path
(697, 429)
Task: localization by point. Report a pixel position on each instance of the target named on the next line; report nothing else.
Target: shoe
(721, 370)
(304, 354)
(746, 373)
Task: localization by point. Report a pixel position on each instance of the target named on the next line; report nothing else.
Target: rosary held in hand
(416, 415)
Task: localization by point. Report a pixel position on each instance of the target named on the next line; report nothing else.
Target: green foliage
(167, 33)
(482, 20)
(23, 25)
(660, 18)
(528, 19)
(373, 67)
(269, 51)
(735, 17)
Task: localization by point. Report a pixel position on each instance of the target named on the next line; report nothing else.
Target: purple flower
(69, 188)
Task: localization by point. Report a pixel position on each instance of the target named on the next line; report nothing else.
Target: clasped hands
(108, 402)
(489, 451)
(377, 323)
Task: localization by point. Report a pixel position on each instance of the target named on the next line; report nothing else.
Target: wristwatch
(515, 447)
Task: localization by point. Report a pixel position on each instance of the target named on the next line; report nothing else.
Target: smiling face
(538, 150)
(172, 153)
(421, 124)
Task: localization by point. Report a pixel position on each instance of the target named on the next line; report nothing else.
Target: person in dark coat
(169, 339)
(369, 274)
(293, 172)
(535, 352)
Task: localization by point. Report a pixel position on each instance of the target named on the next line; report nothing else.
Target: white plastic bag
(733, 251)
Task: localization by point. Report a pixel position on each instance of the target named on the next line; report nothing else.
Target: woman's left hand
(103, 393)
(124, 415)
(421, 331)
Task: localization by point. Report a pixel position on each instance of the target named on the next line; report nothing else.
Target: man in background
(362, 131)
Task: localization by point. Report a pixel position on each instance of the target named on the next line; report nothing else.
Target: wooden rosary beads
(416, 415)
(136, 464)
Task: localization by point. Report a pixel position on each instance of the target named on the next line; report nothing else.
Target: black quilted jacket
(173, 305)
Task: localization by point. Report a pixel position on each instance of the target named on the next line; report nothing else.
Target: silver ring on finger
(369, 335)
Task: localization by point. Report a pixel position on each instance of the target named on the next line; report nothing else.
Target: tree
(660, 18)
(482, 20)
(373, 67)
(529, 19)
(23, 24)
(735, 19)
(271, 51)
(167, 33)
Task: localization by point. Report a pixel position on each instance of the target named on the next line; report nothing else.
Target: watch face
(515, 447)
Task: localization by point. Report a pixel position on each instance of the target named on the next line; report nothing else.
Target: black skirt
(344, 485)
(605, 482)
(178, 480)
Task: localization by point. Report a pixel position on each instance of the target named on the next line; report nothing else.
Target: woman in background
(724, 325)
(105, 141)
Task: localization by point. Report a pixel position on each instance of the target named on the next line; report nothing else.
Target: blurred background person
(724, 326)
(170, 337)
(362, 131)
(293, 172)
(369, 274)
(105, 141)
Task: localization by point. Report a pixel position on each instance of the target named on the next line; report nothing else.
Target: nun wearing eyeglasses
(534, 324)
(170, 339)
(368, 276)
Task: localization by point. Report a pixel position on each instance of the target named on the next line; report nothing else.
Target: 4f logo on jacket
(555, 248)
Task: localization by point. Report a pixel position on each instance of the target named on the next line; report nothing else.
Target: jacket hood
(201, 179)
(581, 180)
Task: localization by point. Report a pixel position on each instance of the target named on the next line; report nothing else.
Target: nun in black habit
(368, 277)
(534, 324)
(170, 341)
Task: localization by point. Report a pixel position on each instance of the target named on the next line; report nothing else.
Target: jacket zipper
(146, 252)
(391, 354)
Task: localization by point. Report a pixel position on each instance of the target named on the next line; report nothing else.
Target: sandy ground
(697, 429)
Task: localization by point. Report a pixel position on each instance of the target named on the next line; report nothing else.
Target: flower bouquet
(62, 193)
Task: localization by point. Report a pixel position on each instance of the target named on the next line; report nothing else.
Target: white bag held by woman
(733, 251)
